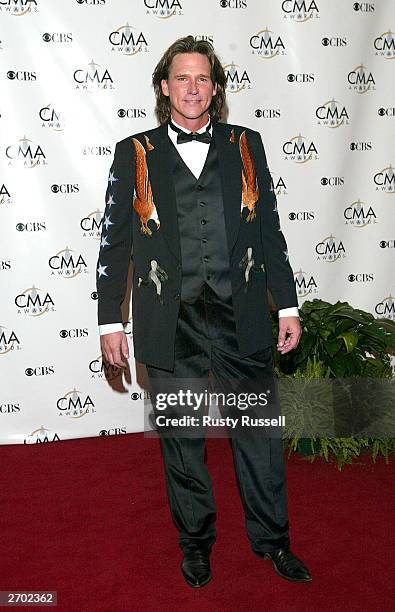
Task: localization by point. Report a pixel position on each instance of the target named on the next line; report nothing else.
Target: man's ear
(165, 87)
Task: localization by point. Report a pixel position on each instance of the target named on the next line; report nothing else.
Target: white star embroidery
(104, 242)
(112, 179)
(101, 270)
(110, 201)
(107, 222)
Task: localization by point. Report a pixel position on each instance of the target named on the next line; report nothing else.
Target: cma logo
(387, 244)
(92, 224)
(359, 214)
(93, 77)
(19, 7)
(21, 75)
(26, 153)
(301, 77)
(40, 371)
(5, 195)
(67, 188)
(360, 146)
(332, 181)
(103, 370)
(75, 404)
(361, 80)
(41, 436)
(330, 249)
(266, 44)
(50, 118)
(386, 112)
(131, 113)
(9, 341)
(300, 150)
(267, 113)
(385, 45)
(233, 4)
(237, 79)
(332, 114)
(361, 277)
(124, 40)
(96, 150)
(304, 284)
(163, 9)
(113, 431)
(5, 264)
(76, 332)
(67, 263)
(31, 226)
(385, 180)
(386, 308)
(58, 37)
(302, 215)
(9, 408)
(364, 7)
(34, 302)
(300, 10)
(334, 41)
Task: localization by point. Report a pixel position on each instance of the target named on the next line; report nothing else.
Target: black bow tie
(190, 136)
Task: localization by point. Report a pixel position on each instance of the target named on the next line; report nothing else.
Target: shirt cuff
(289, 312)
(110, 328)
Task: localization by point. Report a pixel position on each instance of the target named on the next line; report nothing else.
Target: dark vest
(201, 222)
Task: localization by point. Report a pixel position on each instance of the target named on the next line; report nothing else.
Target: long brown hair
(189, 45)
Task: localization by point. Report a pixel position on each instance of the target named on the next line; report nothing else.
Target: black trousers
(206, 342)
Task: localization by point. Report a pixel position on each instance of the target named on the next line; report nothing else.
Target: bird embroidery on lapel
(232, 138)
(143, 202)
(156, 275)
(247, 263)
(149, 145)
(250, 191)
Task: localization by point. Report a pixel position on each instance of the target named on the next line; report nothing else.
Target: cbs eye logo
(46, 37)
(94, 295)
(63, 333)
(20, 227)
(11, 74)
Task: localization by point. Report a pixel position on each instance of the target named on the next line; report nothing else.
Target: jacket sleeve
(116, 236)
(279, 273)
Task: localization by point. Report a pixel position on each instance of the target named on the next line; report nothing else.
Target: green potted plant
(340, 345)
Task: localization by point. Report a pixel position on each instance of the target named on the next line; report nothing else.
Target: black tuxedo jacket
(141, 186)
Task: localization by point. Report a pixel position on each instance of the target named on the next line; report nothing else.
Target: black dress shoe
(287, 565)
(195, 567)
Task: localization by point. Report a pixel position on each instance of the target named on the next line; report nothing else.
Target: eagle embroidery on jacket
(250, 191)
(143, 202)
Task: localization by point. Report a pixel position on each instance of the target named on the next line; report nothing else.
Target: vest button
(203, 221)
(206, 258)
(177, 296)
(204, 240)
(200, 187)
(202, 203)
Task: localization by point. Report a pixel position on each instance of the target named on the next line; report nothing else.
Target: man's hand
(115, 348)
(290, 326)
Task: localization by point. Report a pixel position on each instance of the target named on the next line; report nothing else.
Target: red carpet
(89, 519)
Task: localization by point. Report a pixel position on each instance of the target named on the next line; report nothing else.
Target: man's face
(189, 87)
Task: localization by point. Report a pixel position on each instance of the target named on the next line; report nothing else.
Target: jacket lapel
(160, 173)
(230, 170)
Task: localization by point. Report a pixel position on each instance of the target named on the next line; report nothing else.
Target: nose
(193, 87)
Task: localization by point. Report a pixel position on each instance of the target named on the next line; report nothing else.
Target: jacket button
(203, 221)
(177, 296)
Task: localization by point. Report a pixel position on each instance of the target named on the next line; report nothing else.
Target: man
(195, 201)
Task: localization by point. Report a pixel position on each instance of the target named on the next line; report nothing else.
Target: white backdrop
(316, 78)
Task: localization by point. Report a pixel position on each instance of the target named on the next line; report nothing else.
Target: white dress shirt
(194, 154)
